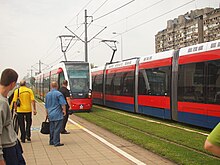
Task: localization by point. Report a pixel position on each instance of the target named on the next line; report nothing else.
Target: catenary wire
(157, 17)
(100, 7)
(114, 10)
(136, 13)
(102, 16)
(79, 12)
(50, 47)
(95, 19)
(149, 21)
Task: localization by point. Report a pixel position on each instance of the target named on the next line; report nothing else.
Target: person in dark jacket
(66, 95)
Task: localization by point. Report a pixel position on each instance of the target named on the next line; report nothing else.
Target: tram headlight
(71, 95)
(90, 93)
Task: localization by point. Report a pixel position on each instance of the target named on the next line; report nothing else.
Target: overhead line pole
(39, 66)
(86, 39)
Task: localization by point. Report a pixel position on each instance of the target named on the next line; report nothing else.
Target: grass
(175, 144)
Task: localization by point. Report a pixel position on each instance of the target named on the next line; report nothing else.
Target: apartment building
(196, 26)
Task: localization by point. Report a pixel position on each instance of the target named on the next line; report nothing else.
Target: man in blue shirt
(55, 105)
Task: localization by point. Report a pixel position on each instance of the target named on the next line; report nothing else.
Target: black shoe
(28, 139)
(65, 132)
(23, 141)
(60, 144)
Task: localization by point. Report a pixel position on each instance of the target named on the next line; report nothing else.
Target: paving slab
(82, 148)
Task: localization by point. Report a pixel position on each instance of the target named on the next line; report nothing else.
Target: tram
(78, 75)
(181, 85)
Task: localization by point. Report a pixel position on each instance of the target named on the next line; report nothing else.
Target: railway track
(162, 134)
(153, 121)
(158, 137)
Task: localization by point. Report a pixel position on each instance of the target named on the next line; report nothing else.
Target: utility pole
(39, 66)
(31, 70)
(86, 39)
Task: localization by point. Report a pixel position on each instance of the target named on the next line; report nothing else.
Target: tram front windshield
(78, 77)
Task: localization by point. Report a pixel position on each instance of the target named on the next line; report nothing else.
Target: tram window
(93, 82)
(54, 77)
(117, 84)
(218, 44)
(200, 47)
(143, 83)
(155, 81)
(213, 82)
(195, 49)
(78, 78)
(61, 78)
(189, 50)
(41, 87)
(78, 75)
(141, 87)
(191, 82)
(97, 83)
(46, 84)
(37, 87)
(100, 83)
(213, 45)
(109, 85)
(128, 84)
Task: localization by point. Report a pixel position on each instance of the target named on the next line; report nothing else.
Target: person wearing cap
(24, 111)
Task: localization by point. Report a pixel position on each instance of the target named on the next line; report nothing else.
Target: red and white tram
(78, 74)
(181, 85)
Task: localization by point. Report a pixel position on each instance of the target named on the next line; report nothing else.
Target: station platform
(86, 144)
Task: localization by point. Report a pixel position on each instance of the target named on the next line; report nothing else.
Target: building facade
(197, 26)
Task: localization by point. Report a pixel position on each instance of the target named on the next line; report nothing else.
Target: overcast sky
(29, 29)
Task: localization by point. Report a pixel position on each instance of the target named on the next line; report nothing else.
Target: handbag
(15, 122)
(45, 127)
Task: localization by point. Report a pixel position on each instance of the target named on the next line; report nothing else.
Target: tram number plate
(81, 106)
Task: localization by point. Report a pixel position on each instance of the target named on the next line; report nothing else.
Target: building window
(213, 45)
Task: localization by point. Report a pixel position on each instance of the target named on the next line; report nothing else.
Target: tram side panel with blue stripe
(181, 85)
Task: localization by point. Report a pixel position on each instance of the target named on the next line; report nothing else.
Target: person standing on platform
(55, 105)
(212, 143)
(10, 148)
(66, 95)
(24, 111)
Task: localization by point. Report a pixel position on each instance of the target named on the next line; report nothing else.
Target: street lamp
(121, 43)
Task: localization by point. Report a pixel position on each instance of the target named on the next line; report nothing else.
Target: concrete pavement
(84, 145)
